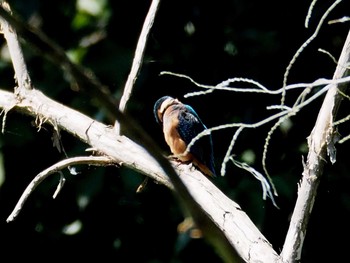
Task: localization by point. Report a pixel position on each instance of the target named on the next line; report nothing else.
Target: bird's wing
(190, 125)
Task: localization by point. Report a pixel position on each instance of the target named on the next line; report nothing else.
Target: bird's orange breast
(172, 136)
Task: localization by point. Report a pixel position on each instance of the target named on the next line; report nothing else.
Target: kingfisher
(180, 125)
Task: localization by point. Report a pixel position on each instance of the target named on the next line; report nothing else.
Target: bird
(180, 125)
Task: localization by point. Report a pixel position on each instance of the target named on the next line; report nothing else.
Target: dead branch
(139, 52)
(207, 226)
(21, 72)
(239, 230)
(57, 167)
(321, 142)
(138, 59)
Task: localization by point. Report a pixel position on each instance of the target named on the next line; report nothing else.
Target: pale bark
(240, 231)
(321, 142)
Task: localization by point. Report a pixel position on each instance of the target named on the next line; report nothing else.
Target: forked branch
(321, 143)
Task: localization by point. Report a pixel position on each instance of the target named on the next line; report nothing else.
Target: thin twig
(339, 20)
(262, 122)
(229, 150)
(267, 191)
(90, 160)
(260, 88)
(304, 45)
(60, 185)
(309, 12)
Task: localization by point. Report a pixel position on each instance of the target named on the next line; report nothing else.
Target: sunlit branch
(259, 123)
(261, 88)
(229, 150)
(329, 54)
(303, 46)
(309, 12)
(267, 140)
(281, 116)
(321, 143)
(264, 183)
(21, 72)
(57, 167)
(138, 58)
(339, 20)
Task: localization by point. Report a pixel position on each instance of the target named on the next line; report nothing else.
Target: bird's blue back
(190, 125)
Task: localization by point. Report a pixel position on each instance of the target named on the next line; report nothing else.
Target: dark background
(115, 224)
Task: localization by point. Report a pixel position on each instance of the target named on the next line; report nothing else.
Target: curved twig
(57, 167)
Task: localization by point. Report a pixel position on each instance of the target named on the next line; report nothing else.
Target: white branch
(319, 141)
(90, 160)
(138, 58)
(240, 231)
(21, 72)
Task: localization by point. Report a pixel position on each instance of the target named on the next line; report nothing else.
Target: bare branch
(21, 73)
(208, 227)
(319, 140)
(286, 112)
(329, 55)
(281, 114)
(340, 20)
(260, 88)
(304, 45)
(60, 185)
(90, 160)
(309, 12)
(267, 191)
(267, 141)
(229, 150)
(139, 53)
(238, 229)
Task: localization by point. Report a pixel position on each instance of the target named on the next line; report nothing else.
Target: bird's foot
(177, 158)
(173, 157)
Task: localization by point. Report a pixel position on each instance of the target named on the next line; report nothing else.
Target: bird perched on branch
(180, 125)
